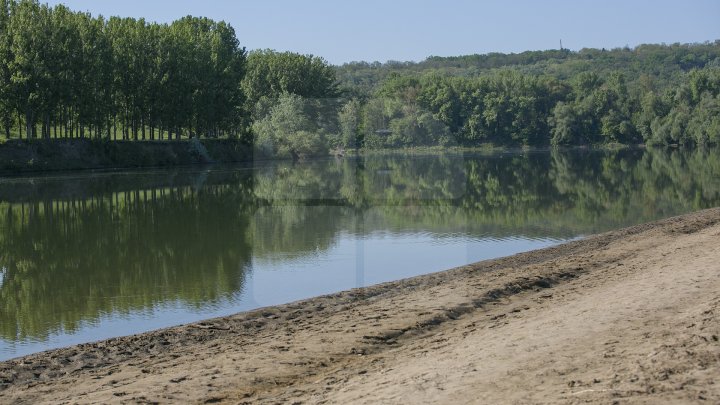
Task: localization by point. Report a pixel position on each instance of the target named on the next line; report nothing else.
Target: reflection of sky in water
(278, 278)
(380, 257)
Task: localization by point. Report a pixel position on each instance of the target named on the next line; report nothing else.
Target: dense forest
(659, 94)
(66, 74)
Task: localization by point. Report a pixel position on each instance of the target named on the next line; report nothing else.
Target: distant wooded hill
(661, 94)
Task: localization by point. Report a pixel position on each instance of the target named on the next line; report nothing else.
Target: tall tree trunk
(134, 129)
(46, 126)
(7, 127)
(28, 122)
(64, 127)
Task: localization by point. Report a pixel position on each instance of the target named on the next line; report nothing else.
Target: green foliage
(662, 62)
(71, 75)
(704, 123)
(647, 94)
(65, 74)
(294, 104)
(598, 111)
(272, 74)
(350, 120)
(652, 94)
(688, 114)
(505, 108)
(289, 130)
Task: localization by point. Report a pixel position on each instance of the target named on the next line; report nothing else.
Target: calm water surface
(90, 256)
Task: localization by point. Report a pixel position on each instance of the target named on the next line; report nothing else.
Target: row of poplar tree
(69, 74)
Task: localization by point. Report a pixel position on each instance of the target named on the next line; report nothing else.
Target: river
(91, 255)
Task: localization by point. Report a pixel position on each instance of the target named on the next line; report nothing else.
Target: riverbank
(631, 316)
(21, 156)
(41, 155)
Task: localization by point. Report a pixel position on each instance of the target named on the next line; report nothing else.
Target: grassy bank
(19, 156)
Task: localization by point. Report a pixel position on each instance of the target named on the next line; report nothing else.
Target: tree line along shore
(67, 75)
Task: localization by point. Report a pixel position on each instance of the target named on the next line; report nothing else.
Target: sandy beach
(629, 316)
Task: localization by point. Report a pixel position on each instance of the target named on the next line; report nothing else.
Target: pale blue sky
(343, 31)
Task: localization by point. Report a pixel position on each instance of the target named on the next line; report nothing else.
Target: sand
(630, 316)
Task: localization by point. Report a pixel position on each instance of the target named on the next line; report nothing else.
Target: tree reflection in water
(76, 248)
